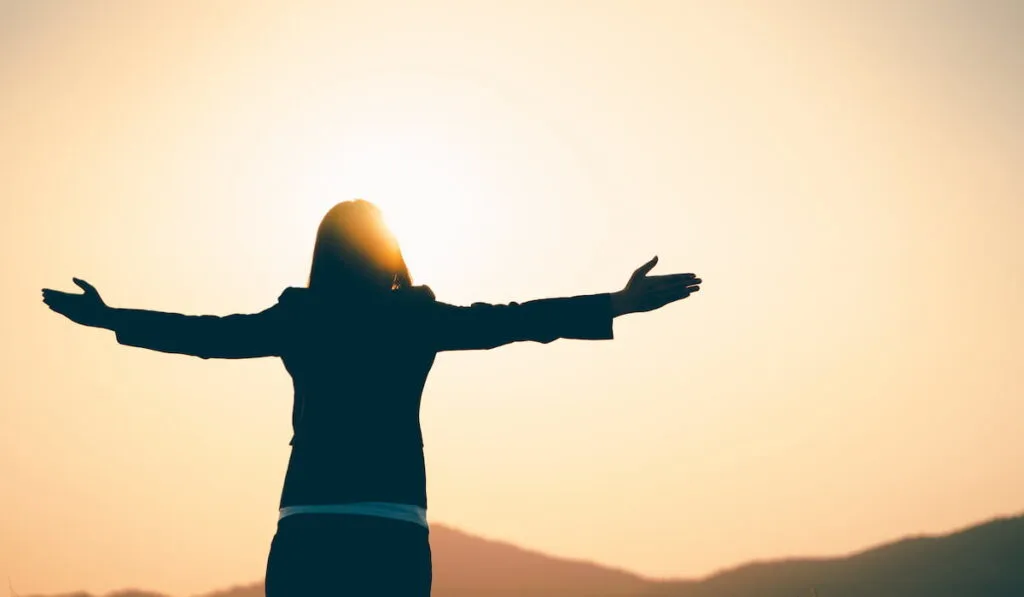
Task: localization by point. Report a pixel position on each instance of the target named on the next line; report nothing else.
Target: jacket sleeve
(239, 336)
(482, 326)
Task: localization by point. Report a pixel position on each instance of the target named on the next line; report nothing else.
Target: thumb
(644, 269)
(87, 287)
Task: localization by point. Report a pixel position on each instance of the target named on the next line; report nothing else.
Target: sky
(846, 177)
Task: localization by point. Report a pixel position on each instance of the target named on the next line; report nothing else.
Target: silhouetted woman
(358, 342)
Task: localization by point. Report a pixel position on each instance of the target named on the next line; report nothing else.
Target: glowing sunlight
(424, 186)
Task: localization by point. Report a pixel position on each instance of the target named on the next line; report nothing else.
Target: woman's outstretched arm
(483, 326)
(587, 317)
(204, 336)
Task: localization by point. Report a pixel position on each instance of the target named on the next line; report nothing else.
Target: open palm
(87, 308)
(647, 293)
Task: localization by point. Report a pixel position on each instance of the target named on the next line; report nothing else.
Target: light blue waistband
(406, 512)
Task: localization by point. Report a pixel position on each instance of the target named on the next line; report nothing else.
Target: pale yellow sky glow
(846, 177)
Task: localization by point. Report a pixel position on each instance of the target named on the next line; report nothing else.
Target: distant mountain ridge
(986, 560)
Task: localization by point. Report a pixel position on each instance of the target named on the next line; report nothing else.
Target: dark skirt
(328, 555)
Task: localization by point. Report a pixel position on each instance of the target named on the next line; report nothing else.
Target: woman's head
(355, 251)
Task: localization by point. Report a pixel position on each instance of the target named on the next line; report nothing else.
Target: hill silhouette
(986, 560)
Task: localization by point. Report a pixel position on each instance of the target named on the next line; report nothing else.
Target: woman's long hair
(355, 252)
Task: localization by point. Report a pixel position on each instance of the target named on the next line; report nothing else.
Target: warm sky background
(848, 180)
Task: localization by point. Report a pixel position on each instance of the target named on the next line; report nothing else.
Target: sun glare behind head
(426, 190)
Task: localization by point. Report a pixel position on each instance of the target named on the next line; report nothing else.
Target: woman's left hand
(87, 308)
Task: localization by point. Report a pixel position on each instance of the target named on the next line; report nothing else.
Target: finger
(65, 312)
(87, 287)
(644, 269)
(57, 294)
(668, 296)
(62, 297)
(658, 285)
(673, 277)
(56, 303)
(58, 306)
(64, 307)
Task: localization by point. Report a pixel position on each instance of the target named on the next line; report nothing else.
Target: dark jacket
(358, 369)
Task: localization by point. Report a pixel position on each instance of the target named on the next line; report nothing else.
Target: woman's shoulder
(420, 293)
(295, 296)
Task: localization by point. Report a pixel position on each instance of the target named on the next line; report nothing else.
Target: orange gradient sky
(847, 178)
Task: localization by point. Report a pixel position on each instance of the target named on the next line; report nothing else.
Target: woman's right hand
(647, 293)
(87, 308)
